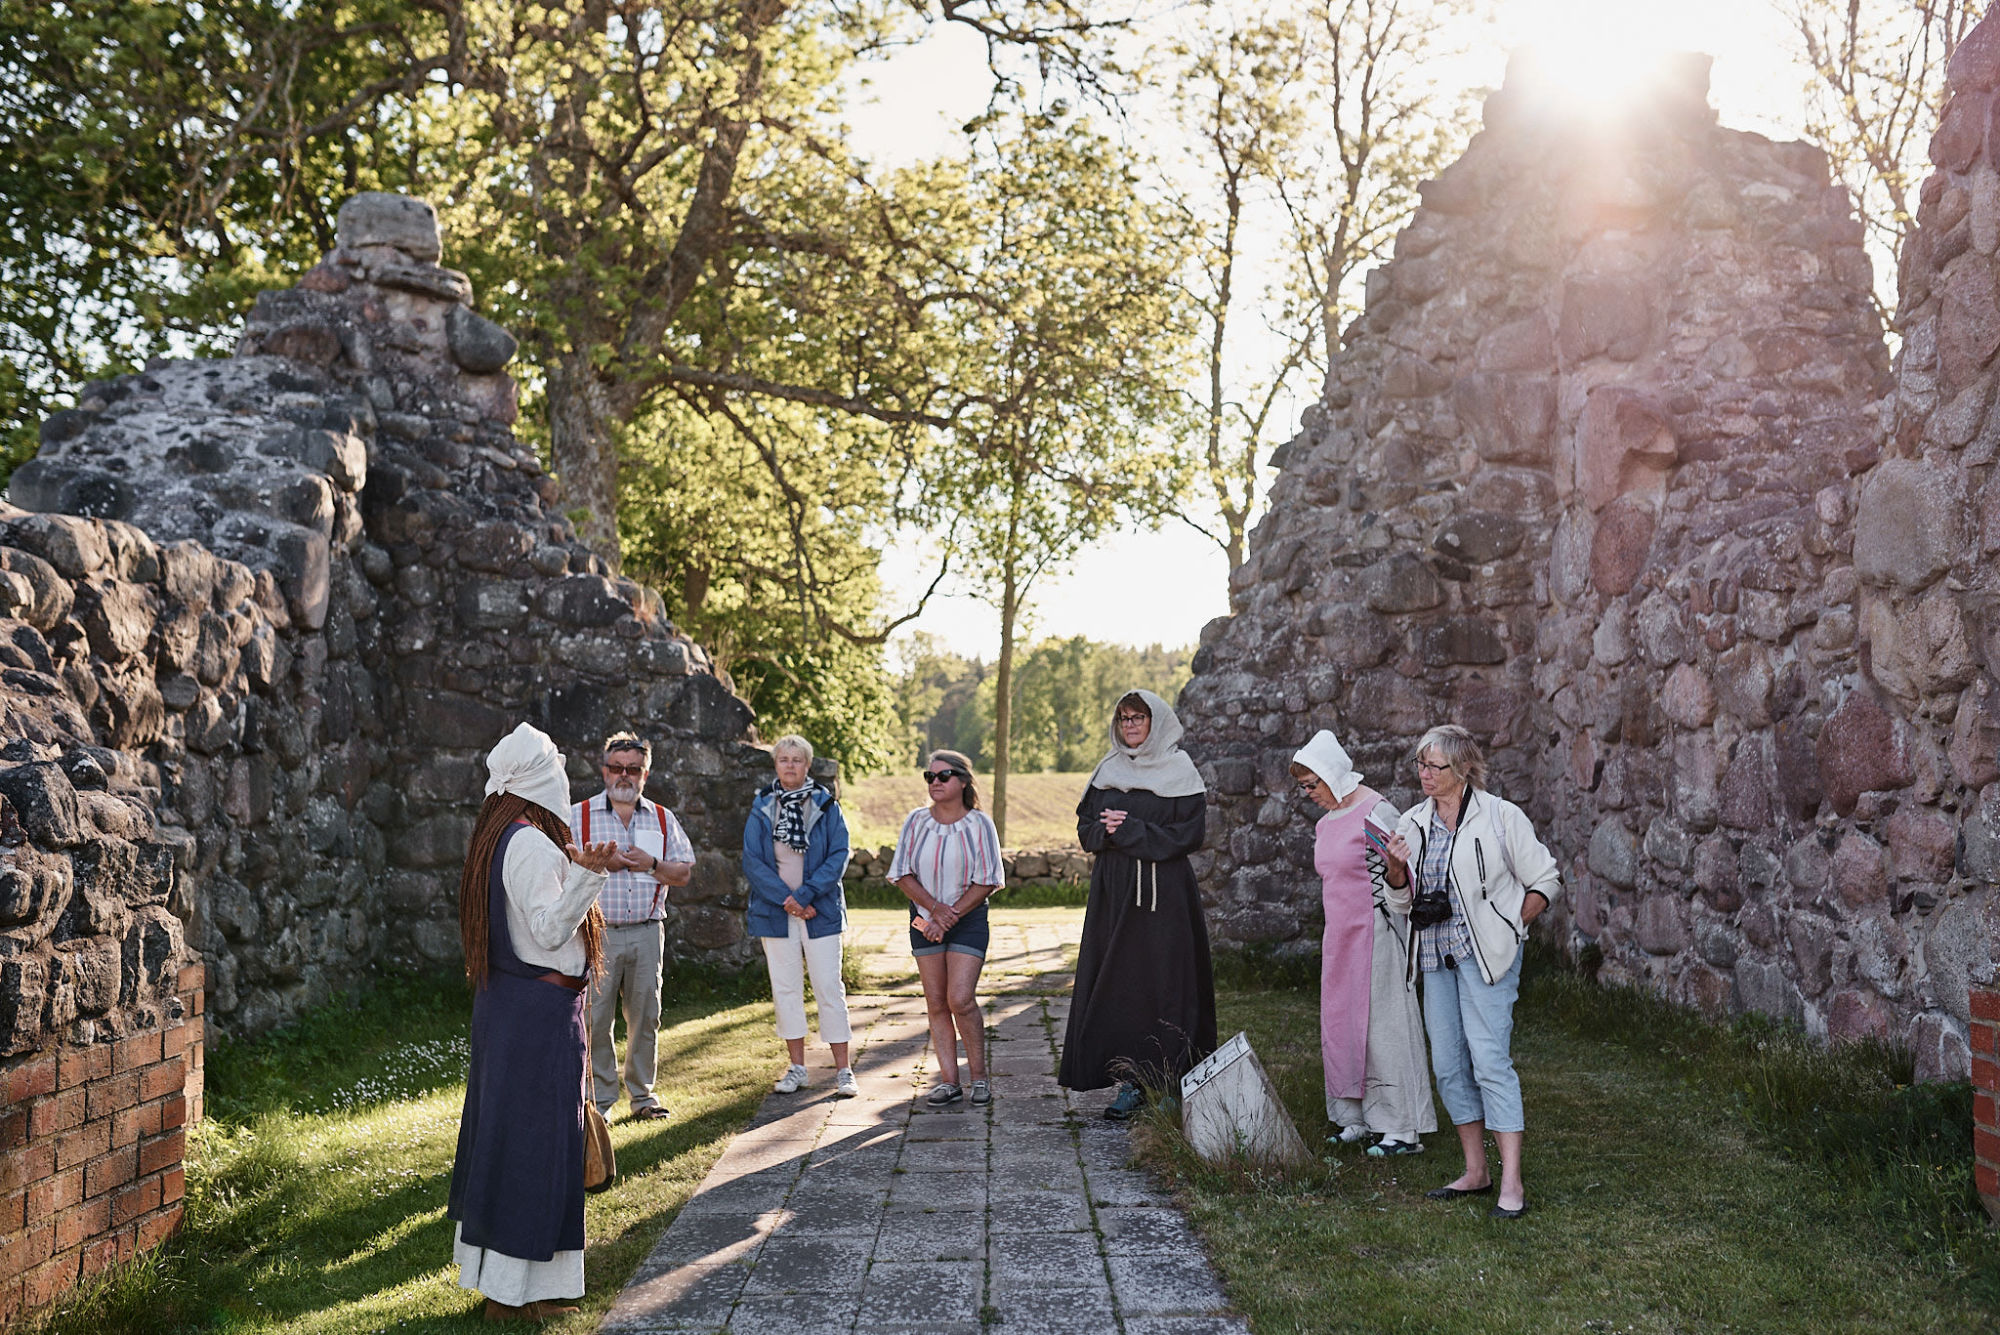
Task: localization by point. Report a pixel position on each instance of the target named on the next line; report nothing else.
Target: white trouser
(789, 958)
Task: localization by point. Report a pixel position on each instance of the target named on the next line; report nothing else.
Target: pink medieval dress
(1371, 1030)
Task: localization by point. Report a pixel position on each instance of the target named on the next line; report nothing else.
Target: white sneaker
(843, 1084)
(1349, 1134)
(793, 1080)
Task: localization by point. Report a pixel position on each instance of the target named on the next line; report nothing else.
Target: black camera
(1430, 908)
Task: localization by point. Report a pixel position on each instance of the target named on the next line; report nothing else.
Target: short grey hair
(628, 740)
(794, 743)
(1459, 750)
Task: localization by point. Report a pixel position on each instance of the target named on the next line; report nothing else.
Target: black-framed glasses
(939, 776)
(1309, 784)
(629, 771)
(1123, 719)
(1434, 769)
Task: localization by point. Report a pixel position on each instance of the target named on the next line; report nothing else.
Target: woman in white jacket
(1477, 860)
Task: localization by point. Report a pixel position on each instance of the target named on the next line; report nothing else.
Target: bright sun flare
(1594, 53)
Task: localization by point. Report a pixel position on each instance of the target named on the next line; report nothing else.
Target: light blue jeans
(1471, 1027)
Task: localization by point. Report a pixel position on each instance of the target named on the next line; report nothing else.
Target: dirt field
(1041, 808)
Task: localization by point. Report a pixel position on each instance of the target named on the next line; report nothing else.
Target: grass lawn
(316, 1185)
(1664, 1196)
(1041, 808)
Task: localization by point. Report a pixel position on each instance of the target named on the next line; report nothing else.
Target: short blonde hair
(794, 743)
(1459, 750)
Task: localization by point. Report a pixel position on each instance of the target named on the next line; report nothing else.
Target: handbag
(600, 1159)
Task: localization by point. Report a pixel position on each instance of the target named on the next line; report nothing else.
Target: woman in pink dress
(1371, 1029)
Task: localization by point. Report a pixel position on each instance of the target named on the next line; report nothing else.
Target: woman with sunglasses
(1371, 1032)
(1143, 1011)
(947, 862)
(1477, 857)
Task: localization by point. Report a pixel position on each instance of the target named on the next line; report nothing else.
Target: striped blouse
(946, 859)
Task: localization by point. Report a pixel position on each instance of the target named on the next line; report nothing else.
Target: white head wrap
(527, 764)
(1159, 766)
(1326, 757)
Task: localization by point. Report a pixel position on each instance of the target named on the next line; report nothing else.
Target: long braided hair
(498, 812)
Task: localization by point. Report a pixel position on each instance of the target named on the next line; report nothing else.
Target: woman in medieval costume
(1371, 1030)
(1144, 1008)
(527, 912)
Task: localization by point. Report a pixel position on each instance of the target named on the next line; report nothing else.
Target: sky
(919, 97)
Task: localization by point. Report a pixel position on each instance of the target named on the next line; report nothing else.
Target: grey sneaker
(793, 1080)
(944, 1094)
(981, 1092)
(843, 1084)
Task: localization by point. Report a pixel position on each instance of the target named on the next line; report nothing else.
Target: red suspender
(586, 820)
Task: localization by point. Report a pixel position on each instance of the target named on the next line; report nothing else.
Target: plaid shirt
(1454, 937)
(632, 896)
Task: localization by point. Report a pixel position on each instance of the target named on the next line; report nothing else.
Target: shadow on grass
(304, 1220)
(1702, 1174)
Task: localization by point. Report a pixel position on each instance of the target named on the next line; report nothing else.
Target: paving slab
(882, 1215)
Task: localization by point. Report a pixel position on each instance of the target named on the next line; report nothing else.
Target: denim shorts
(969, 937)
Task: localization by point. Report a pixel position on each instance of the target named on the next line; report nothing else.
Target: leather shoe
(1501, 1212)
(1453, 1193)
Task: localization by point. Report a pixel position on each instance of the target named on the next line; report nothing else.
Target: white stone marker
(1230, 1110)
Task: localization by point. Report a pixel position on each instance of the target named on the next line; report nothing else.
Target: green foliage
(144, 197)
(770, 589)
(1850, 1109)
(1665, 1198)
(1064, 690)
(317, 1182)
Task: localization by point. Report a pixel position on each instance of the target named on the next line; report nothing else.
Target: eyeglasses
(1434, 769)
(1308, 785)
(630, 771)
(939, 776)
(1123, 719)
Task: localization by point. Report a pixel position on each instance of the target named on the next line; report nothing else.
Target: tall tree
(1874, 97)
(705, 521)
(1315, 123)
(613, 172)
(1070, 346)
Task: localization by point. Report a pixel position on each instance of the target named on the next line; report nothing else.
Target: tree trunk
(583, 422)
(1003, 699)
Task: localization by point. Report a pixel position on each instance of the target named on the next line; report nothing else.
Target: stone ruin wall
(260, 619)
(1614, 471)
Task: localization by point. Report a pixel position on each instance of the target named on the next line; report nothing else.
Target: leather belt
(569, 980)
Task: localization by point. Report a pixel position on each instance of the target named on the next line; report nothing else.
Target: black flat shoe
(1499, 1212)
(1453, 1193)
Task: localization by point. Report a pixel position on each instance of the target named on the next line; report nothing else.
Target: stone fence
(1025, 866)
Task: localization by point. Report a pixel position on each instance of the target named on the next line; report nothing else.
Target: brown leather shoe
(541, 1310)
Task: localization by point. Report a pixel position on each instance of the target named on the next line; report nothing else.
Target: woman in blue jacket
(794, 851)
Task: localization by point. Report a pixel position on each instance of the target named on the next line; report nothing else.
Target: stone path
(880, 1214)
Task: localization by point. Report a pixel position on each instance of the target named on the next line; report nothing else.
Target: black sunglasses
(939, 776)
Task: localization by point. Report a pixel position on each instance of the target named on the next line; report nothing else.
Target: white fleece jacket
(1496, 859)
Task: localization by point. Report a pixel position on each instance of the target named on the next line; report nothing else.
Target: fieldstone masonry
(260, 619)
(1614, 471)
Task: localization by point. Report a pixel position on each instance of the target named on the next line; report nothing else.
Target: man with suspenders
(653, 853)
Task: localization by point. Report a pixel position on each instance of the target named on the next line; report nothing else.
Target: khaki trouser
(632, 966)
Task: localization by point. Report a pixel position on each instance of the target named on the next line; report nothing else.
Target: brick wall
(91, 1143)
(1985, 1036)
